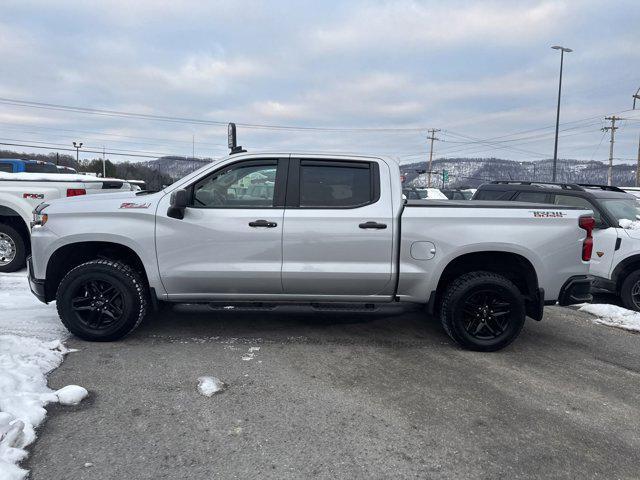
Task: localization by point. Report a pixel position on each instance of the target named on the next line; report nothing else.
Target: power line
(23, 127)
(196, 121)
(66, 149)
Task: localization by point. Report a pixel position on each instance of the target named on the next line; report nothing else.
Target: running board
(319, 307)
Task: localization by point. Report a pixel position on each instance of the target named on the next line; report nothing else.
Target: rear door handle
(263, 223)
(374, 225)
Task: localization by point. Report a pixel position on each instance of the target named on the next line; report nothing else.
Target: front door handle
(263, 223)
(374, 225)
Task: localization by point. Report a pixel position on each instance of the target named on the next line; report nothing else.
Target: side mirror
(177, 204)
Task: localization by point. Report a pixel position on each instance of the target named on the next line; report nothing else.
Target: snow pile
(629, 224)
(23, 314)
(208, 386)
(71, 395)
(613, 316)
(24, 364)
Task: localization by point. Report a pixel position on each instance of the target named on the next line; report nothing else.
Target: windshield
(622, 208)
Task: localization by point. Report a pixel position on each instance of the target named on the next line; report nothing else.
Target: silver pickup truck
(327, 231)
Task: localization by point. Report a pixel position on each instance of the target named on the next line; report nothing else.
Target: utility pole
(638, 167)
(193, 147)
(637, 97)
(432, 137)
(555, 145)
(104, 165)
(613, 129)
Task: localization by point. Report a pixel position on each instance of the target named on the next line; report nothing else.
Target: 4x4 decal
(547, 214)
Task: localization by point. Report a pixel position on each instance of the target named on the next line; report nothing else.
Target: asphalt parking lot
(346, 397)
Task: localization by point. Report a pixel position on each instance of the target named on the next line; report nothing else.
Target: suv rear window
(492, 194)
(347, 184)
(573, 201)
(532, 197)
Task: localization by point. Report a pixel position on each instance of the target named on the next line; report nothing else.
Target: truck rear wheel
(482, 311)
(12, 249)
(102, 300)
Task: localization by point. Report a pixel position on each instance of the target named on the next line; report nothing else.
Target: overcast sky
(476, 70)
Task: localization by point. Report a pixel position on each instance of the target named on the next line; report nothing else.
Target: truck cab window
(325, 185)
(246, 185)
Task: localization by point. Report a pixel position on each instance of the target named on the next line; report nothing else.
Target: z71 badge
(135, 205)
(547, 214)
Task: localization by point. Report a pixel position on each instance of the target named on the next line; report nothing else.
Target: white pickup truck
(21, 192)
(328, 231)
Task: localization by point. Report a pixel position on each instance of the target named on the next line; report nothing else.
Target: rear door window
(328, 184)
(6, 167)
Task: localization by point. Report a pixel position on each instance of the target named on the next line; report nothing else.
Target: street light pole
(77, 146)
(555, 146)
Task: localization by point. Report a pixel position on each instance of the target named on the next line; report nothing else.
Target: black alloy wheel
(98, 304)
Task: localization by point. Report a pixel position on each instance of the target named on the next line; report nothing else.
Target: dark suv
(570, 194)
(615, 265)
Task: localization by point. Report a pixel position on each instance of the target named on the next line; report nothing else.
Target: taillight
(74, 192)
(587, 223)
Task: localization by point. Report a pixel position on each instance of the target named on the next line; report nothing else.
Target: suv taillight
(587, 223)
(74, 192)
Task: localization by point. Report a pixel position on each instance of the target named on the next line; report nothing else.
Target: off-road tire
(134, 294)
(20, 258)
(454, 304)
(627, 289)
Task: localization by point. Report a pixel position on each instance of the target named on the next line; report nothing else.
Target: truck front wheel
(482, 311)
(101, 300)
(12, 249)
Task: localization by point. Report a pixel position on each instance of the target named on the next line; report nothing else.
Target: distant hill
(475, 171)
(462, 171)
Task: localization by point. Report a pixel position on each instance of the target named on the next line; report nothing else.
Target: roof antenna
(232, 140)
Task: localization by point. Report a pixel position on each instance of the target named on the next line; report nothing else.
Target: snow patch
(613, 316)
(29, 349)
(209, 386)
(629, 224)
(23, 314)
(24, 364)
(250, 353)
